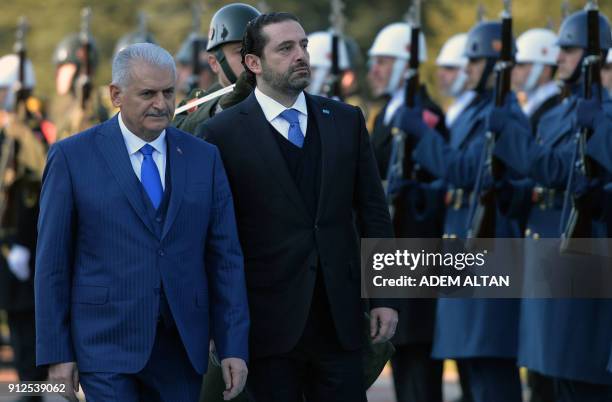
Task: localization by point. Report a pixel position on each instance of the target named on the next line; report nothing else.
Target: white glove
(19, 262)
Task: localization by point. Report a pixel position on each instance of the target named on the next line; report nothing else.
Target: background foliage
(170, 22)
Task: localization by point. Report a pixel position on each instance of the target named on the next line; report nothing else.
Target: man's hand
(235, 375)
(383, 322)
(66, 373)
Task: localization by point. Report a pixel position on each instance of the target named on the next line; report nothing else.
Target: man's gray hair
(140, 52)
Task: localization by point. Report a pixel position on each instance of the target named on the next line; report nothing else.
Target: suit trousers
(317, 369)
(493, 379)
(168, 376)
(416, 376)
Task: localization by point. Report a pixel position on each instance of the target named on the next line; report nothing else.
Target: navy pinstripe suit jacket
(100, 263)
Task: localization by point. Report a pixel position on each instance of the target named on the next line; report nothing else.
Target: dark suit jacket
(281, 240)
(101, 262)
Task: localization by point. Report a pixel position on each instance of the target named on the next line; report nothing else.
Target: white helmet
(452, 53)
(394, 40)
(539, 47)
(320, 49)
(9, 75)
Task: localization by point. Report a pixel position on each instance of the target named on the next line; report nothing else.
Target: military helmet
(452, 53)
(132, 38)
(229, 23)
(9, 72)
(320, 48)
(574, 31)
(394, 41)
(185, 53)
(69, 51)
(484, 41)
(537, 45)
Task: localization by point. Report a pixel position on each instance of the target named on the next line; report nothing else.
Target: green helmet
(69, 51)
(185, 53)
(229, 23)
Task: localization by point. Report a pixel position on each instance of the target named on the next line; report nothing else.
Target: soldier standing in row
(417, 377)
(22, 158)
(561, 338)
(77, 104)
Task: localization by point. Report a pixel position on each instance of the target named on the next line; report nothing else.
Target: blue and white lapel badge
(179, 150)
(326, 111)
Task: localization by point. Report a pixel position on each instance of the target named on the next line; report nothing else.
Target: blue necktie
(296, 137)
(149, 176)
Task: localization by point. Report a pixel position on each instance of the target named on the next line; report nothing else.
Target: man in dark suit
(303, 177)
(138, 261)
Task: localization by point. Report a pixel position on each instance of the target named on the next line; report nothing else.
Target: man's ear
(214, 63)
(115, 95)
(253, 63)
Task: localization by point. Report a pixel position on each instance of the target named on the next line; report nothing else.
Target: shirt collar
(134, 143)
(272, 109)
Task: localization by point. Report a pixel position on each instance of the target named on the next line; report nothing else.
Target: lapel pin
(325, 111)
(179, 150)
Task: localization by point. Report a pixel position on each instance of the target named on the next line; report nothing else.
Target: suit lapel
(257, 132)
(326, 125)
(178, 171)
(112, 146)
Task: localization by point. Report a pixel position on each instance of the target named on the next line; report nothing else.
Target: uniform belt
(457, 198)
(547, 198)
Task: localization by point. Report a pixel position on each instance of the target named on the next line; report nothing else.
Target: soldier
(417, 377)
(21, 163)
(141, 35)
(606, 74)
(184, 65)
(224, 45)
(536, 64)
(77, 105)
(467, 330)
(560, 338)
(451, 76)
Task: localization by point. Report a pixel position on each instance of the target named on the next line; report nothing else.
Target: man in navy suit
(304, 180)
(138, 259)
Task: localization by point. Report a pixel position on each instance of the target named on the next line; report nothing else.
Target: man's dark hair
(254, 40)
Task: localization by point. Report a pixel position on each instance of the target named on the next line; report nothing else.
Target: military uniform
(22, 182)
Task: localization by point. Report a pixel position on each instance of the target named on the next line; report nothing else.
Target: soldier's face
(380, 73)
(568, 60)
(520, 72)
(474, 71)
(234, 59)
(147, 101)
(285, 62)
(446, 76)
(606, 76)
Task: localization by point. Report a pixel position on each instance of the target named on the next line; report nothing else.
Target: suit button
(161, 253)
(158, 219)
(316, 228)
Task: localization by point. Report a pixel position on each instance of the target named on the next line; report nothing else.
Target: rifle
(86, 72)
(482, 218)
(578, 224)
(196, 47)
(401, 166)
(337, 27)
(7, 160)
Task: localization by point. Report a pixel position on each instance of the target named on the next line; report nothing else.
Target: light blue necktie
(149, 176)
(296, 137)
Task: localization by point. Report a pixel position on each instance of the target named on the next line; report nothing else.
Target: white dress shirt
(540, 95)
(397, 100)
(135, 143)
(272, 110)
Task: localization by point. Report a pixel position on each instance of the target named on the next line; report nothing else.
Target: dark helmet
(132, 38)
(574, 30)
(484, 41)
(69, 51)
(229, 23)
(185, 53)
